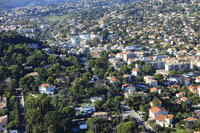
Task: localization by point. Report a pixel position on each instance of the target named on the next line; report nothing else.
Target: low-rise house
(130, 87)
(175, 87)
(154, 89)
(193, 89)
(155, 111)
(3, 123)
(159, 104)
(88, 108)
(181, 94)
(191, 120)
(185, 99)
(113, 79)
(47, 89)
(93, 99)
(165, 120)
(128, 77)
(197, 79)
(129, 93)
(135, 72)
(198, 90)
(100, 115)
(3, 103)
(83, 125)
(150, 81)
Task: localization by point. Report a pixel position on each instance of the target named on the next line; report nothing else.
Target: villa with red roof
(165, 120)
(47, 89)
(155, 111)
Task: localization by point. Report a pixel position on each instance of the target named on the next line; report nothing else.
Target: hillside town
(118, 67)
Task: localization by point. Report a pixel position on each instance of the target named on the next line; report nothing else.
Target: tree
(93, 124)
(98, 104)
(173, 72)
(148, 69)
(28, 84)
(159, 77)
(95, 41)
(127, 127)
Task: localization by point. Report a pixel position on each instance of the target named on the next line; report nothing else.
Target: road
(127, 111)
(20, 99)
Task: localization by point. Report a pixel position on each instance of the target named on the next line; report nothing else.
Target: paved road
(129, 112)
(20, 99)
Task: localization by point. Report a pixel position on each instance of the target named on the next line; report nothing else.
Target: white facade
(47, 89)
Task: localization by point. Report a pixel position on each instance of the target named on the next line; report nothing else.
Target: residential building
(185, 99)
(177, 66)
(135, 72)
(87, 108)
(3, 123)
(155, 111)
(100, 115)
(47, 89)
(165, 120)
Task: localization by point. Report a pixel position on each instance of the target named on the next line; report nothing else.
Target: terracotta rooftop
(190, 119)
(47, 85)
(156, 109)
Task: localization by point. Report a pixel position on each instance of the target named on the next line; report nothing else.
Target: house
(113, 79)
(193, 89)
(150, 81)
(135, 72)
(100, 115)
(165, 120)
(3, 103)
(181, 94)
(158, 90)
(185, 99)
(93, 99)
(175, 87)
(186, 81)
(190, 120)
(129, 93)
(128, 77)
(87, 108)
(197, 79)
(3, 123)
(47, 89)
(130, 87)
(83, 125)
(198, 88)
(155, 111)
(152, 104)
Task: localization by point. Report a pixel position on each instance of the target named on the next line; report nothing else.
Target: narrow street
(127, 111)
(20, 99)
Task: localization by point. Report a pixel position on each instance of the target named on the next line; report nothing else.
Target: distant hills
(10, 4)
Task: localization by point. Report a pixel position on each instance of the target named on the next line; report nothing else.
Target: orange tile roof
(175, 86)
(156, 109)
(170, 116)
(135, 69)
(190, 119)
(184, 98)
(191, 87)
(47, 85)
(160, 117)
(154, 89)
